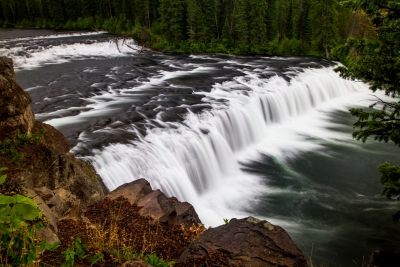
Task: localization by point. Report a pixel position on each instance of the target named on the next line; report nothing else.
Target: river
(235, 136)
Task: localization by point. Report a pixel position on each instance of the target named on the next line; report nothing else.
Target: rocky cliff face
(15, 112)
(35, 153)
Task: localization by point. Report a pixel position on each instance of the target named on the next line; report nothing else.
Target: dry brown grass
(115, 229)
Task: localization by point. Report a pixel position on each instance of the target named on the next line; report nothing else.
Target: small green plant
(20, 218)
(155, 261)
(78, 249)
(226, 221)
(96, 258)
(11, 147)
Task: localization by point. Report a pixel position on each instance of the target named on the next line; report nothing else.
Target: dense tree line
(293, 27)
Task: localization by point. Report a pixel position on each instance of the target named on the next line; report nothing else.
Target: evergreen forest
(268, 27)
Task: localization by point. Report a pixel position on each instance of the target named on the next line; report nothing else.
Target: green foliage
(383, 124)
(226, 221)
(78, 249)
(376, 61)
(20, 218)
(172, 19)
(324, 15)
(11, 147)
(155, 261)
(98, 257)
(390, 178)
(3, 177)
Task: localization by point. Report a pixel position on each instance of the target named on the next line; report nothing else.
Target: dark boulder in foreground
(244, 242)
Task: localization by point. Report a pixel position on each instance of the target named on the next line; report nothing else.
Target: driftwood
(126, 37)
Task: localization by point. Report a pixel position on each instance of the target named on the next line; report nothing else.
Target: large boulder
(244, 242)
(155, 204)
(132, 191)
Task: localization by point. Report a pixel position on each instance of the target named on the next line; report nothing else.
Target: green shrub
(20, 218)
(11, 147)
(78, 249)
(155, 261)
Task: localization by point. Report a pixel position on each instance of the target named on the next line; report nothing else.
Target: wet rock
(244, 242)
(381, 258)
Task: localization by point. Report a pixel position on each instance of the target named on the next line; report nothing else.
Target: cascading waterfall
(256, 144)
(197, 161)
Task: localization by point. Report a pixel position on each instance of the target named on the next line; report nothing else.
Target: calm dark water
(235, 136)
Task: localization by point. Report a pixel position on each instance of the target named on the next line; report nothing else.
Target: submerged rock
(244, 242)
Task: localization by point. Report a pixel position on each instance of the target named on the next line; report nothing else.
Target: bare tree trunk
(231, 28)
(327, 53)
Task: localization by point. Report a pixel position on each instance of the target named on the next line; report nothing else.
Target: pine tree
(303, 31)
(72, 9)
(56, 11)
(258, 26)
(228, 19)
(325, 21)
(208, 12)
(289, 22)
(88, 8)
(242, 19)
(271, 20)
(8, 7)
(34, 10)
(171, 17)
(195, 25)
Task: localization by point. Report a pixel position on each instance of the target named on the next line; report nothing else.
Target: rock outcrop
(154, 204)
(35, 153)
(15, 112)
(244, 242)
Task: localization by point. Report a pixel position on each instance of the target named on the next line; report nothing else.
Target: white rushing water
(37, 55)
(199, 161)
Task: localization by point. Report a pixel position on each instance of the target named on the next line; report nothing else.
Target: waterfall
(197, 161)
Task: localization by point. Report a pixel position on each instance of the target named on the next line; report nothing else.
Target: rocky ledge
(36, 154)
(132, 220)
